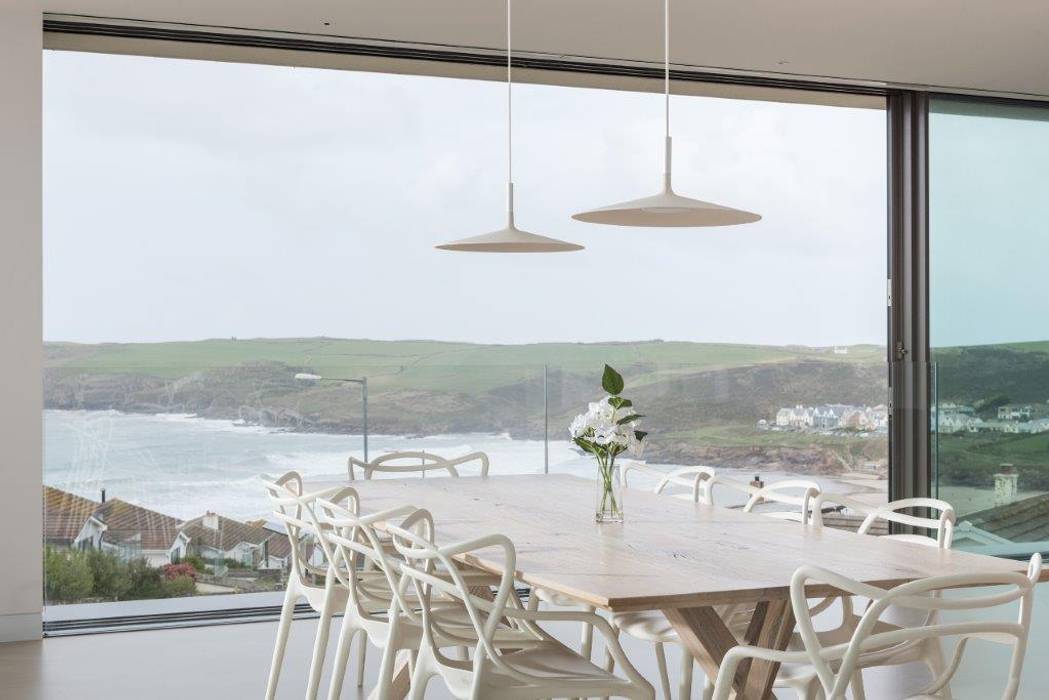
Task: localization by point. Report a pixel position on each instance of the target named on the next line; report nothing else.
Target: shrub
(145, 581)
(173, 571)
(109, 573)
(67, 576)
(179, 586)
(197, 562)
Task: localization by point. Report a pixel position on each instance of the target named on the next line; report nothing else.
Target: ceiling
(956, 45)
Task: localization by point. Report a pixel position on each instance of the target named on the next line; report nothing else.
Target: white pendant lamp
(510, 239)
(667, 208)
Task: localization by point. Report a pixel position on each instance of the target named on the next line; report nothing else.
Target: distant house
(276, 552)
(958, 423)
(1014, 412)
(253, 544)
(133, 531)
(216, 538)
(68, 520)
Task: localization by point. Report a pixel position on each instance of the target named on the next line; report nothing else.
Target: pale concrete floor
(231, 662)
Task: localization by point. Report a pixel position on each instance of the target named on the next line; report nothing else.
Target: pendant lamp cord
(509, 97)
(666, 95)
(666, 64)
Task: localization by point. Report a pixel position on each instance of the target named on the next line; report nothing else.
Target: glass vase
(609, 494)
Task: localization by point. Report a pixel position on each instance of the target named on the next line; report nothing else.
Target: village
(204, 555)
(1011, 418)
(830, 417)
(948, 417)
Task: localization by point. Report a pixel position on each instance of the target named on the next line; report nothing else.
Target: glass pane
(214, 230)
(989, 320)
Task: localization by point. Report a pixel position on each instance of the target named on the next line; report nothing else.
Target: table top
(669, 552)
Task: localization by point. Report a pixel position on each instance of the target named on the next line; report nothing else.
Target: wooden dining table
(669, 554)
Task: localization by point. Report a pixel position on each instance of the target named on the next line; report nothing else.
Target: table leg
(708, 639)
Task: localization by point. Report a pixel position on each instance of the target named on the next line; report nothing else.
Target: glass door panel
(989, 320)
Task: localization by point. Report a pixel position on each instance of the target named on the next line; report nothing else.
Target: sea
(184, 466)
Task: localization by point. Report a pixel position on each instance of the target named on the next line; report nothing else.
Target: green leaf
(640, 434)
(625, 403)
(616, 402)
(628, 419)
(612, 381)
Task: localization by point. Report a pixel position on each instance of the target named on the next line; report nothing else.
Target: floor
(231, 662)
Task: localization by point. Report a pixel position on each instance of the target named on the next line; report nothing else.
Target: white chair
(536, 666)
(927, 651)
(408, 463)
(695, 480)
(802, 505)
(832, 667)
(363, 567)
(295, 509)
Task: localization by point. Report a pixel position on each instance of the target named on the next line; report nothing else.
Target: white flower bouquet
(608, 429)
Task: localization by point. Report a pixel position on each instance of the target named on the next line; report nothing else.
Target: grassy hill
(701, 400)
(686, 390)
(425, 363)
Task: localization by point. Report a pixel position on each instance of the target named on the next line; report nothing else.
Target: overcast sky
(188, 200)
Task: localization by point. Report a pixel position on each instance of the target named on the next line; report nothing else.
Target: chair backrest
(295, 509)
(697, 480)
(433, 570)
(942, 525)
(798, 493)
(923, 595)
(356, 547)
(407, 463)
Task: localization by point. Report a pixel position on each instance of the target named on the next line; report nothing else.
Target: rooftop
(129, 523)
(64, 515)
(226, 534)
(1026, 520)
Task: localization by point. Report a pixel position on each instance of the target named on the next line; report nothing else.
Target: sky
(988, 204)
(188, 200)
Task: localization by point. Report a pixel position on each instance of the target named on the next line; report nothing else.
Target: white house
(1014, 412)
(133, 531)
(217, 538)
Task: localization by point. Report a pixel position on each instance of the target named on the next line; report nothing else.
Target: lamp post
(363, 381)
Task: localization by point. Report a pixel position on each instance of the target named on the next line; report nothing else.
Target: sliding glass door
(989, 320)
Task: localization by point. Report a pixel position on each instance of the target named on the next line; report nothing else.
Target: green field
(973, 459)
(431, 365)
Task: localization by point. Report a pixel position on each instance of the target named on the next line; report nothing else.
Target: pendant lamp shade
(667, 208)
(509, 239)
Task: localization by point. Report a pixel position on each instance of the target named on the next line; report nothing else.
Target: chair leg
(287, 610)
(420, 679)
(932, 655)
(708, 689)
(342, 654)
(362, 655)
(664, 676)
(685, 690)
(320, 644)
(610, 661)
(586, 644)
(389, 663)
(859, 692)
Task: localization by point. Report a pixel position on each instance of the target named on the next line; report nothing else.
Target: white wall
(21, 439)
